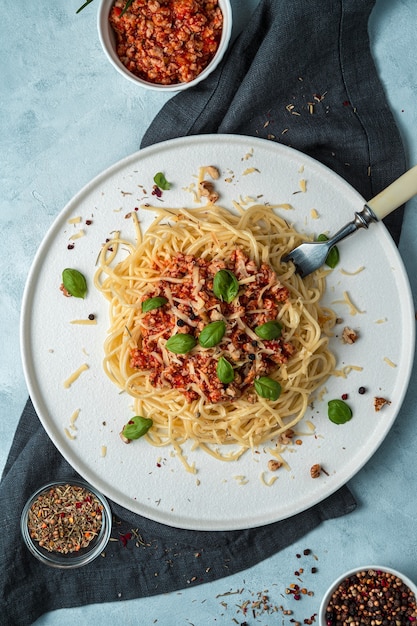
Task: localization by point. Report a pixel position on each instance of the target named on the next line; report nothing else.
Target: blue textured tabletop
(61, 105)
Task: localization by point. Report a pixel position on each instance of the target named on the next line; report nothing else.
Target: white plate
(151, 481)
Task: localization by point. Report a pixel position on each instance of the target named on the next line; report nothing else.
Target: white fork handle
(396, 194)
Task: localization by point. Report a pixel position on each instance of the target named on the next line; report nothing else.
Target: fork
(311, 255)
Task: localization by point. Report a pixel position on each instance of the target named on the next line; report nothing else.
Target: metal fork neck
(366, 217)
(362, 220)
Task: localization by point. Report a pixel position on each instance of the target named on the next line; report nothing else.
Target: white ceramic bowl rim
(70, 560)
(107, 40)
(365, 568)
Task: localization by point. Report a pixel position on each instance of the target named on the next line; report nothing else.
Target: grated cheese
(347, 300)
(189, 468)
(250, 170)
(358, 271)
(303, 185)
(68, 382)
(74, 418)
(248, 155)
(85, 322)
(345, 371)
(389, 362)
(74, 220)
(68, 434)
(268, 483)
(279, 458)
(246, 200)
(287, 207)
(78, 235)
(241, 480)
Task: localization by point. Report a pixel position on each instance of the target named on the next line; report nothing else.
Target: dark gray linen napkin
(301, 73)
(146, 559)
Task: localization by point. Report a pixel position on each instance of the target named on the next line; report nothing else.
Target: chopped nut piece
(315, 470)
(123, 438)
(213, 197)
(206, 187)
(65, 291)
(349, 335)
(380, 402)
(213, 172)
(274, 465)
(207, 191)
(286, 437)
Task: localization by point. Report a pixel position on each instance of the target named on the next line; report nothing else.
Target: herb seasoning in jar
(66, 523)
(65, 518)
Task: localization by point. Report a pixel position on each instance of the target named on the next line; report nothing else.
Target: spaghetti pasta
(212, 236)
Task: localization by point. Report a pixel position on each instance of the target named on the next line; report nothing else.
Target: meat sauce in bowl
(167, 42)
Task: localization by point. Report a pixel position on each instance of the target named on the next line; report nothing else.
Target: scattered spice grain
(315, 470)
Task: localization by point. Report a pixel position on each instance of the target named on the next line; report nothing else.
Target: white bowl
(324, 621)
(108, 42)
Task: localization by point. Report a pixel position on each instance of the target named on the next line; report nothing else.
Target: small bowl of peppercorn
(66, 524)
(372, 594)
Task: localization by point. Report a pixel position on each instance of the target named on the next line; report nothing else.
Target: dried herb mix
(65, 518)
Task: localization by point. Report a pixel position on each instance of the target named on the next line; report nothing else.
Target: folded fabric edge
(223, 561)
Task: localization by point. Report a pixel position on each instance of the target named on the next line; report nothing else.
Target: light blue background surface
(66, 115)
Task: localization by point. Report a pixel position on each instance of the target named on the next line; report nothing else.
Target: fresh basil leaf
(333, 257)
(225, 285)
(137, 427)
(161, 182)
(269, 330)
(74, 282)
(212, 334)
(267, 388)
(181, 343)
(153, 303)
(338, 411)
(225, 371)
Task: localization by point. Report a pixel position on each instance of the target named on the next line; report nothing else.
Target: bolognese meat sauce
(167, 41)
(187, 284)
